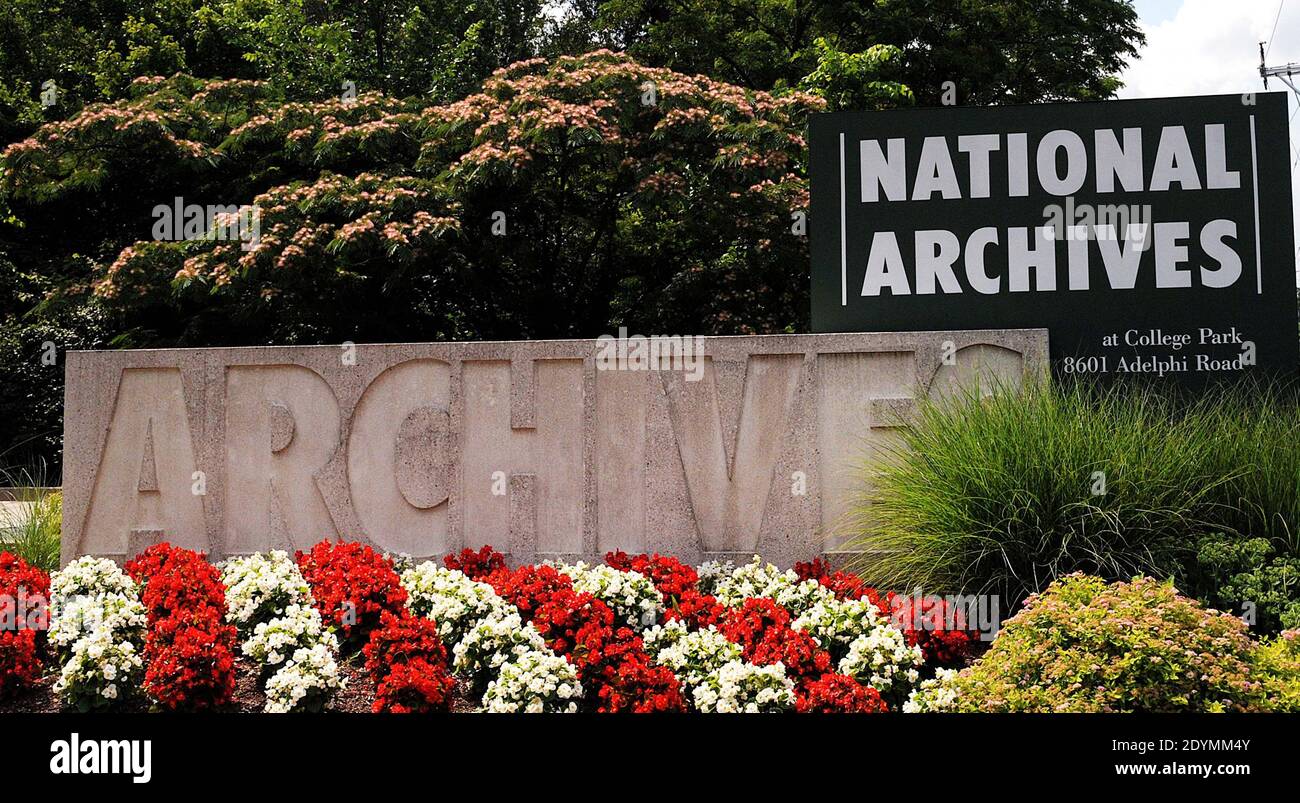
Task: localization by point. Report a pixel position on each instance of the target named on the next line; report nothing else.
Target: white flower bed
(743, 688)
(933, 695)
(692, 656)
(630, 595)
(77, 617)
(90, 576)
(97, 625)
(490, 645)
(761, 579)
(866, 644)
(261, 587)
(449, 597)
(305, 683)
(883, 660)
(276, 641)
(103, 669)
(269, 600)
(535, 682)
(712, 572)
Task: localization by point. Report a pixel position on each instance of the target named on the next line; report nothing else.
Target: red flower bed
(697, 610)
(189, 649)
(529, 588)
(619, 675)
(409, 662)
(402, 638)
(616, 673)
(762, 629)
(157, 557)
(844, 585)
(177, 582)
(937, 627)
(192, 669)
(414, 687)
(24, 619)
(476, 565)
(353, 585)
(358, 590)
(21, 661)
(838, 694)
(670, 576)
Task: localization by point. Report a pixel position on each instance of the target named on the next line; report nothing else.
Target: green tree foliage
(563, 199)
(93, 49)
(994, 51)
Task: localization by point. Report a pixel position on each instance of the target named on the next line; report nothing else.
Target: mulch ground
(357, 698)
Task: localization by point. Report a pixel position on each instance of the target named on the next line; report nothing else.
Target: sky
(1208, 47)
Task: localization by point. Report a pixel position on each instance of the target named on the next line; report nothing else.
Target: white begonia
(662, 636)
(305, 683)
(261, 587)
(269, 600)
(90, 576)
(883, 660)
(274, 642)
(102, 669)
(866, 644)
(801, 596)
(75, 618)
(694, 656)
(630, 595)
(933, 695)
(743, 688)
(490, 644)
(449, 597)
(761, 579)
(834, 624)
(711, 573)
(97, 625)
(535, 682)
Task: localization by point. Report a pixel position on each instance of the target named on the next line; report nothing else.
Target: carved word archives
(543, 448)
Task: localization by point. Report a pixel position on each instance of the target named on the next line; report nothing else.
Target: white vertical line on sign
(1254, 183)
(844, 253)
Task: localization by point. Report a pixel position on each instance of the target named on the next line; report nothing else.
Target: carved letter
(398, 458)
(142, 488)
(729, 459)
(282, 427)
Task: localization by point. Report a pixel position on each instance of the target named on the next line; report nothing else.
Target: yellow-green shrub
(1085, 646)
(1277, 668)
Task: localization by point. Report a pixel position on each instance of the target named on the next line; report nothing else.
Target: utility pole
(1282, 73)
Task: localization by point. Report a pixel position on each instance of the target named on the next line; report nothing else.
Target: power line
(1276, 17)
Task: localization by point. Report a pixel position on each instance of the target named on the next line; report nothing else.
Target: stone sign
(542, 449)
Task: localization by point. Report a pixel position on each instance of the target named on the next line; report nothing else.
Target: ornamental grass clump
(36, 535)
(1085, 646)
(1004, 493)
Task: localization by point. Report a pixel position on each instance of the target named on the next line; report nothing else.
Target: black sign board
(1150, 237)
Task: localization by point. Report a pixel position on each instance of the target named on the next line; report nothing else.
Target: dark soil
(356, 698)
